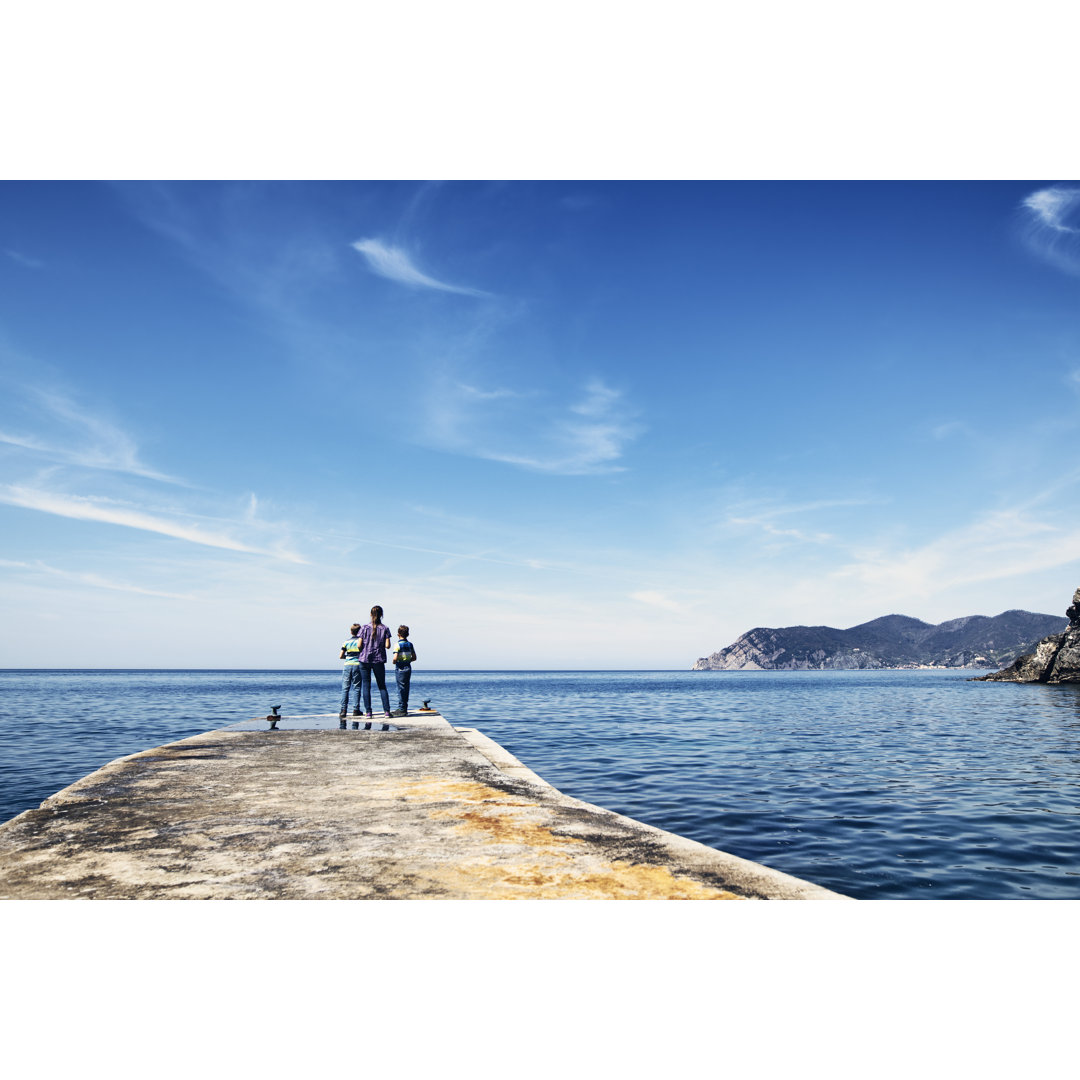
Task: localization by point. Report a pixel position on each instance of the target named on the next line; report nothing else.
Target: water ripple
(878, 784)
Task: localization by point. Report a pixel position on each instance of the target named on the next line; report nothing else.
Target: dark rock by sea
(893, 641)
(1055, 659)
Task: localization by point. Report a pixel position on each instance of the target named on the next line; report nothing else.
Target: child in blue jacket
(404, 655)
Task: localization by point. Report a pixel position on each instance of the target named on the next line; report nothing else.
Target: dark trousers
(380, 681)
(403, 675)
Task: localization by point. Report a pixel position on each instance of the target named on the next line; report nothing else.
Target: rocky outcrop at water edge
(1056, 658)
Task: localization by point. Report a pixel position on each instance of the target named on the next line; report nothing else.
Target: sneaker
(355, 712)
(400, 712)
(341, 715)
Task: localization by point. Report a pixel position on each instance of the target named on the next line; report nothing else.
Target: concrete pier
(423, 810)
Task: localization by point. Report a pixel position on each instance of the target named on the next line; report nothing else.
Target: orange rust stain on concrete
(434, 789)
(556, 867)
(619, 880)
(601, 880)
(501, 828)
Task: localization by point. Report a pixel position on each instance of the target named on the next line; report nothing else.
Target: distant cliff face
(1055, 659)
(893, 641)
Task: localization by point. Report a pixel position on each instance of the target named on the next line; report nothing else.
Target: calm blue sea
(879, 784)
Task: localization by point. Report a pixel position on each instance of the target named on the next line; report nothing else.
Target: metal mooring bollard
(273, 717)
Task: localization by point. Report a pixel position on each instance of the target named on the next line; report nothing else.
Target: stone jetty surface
(423, 810)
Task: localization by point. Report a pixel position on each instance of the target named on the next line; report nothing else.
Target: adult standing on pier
(374, 639)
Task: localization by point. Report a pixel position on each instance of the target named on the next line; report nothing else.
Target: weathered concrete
(420, 811)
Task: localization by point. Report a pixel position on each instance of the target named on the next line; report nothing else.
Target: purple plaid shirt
(373, 646)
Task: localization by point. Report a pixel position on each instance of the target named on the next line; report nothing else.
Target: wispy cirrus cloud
(87, 458)
(500, 393)
(770, 529)
(95, 581)
(950, 428)
(24, 260)
(77, 436)
(656, 599)
(60, 432)
(526, 429)
(395, 264)
(764, 515)
(1051, 226)
(245, 237)
(594, 442)
(996, 545)
(84, 508)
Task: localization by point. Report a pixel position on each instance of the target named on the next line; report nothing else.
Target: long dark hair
(376, 615)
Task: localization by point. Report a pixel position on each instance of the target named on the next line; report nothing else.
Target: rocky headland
(893, 641)
(1055, 659)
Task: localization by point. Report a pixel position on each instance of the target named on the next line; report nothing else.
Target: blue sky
(551, 424)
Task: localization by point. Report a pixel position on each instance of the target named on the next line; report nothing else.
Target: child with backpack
(350, 674)
(404, 656)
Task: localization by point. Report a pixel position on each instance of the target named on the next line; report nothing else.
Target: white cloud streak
(89, 458)
(772, 530)
(998, 545)
(1052, 206)
(85, 509)
(658, 600)
(103, 446)
(488, 395)
(950, 428)
(93, 580)
(1051, 227)
(451, 556)
(565, 444)
(599, 400)
(24, 260)
(756, 516)
(394, 263)
(224, 231)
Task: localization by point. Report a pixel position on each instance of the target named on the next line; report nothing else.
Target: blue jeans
(380, 681)
(350, 677)
(403, 673)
